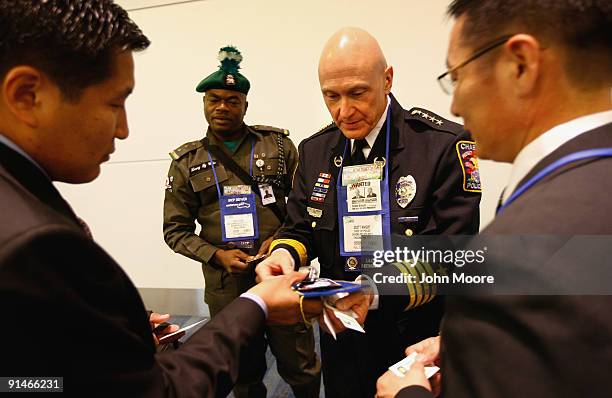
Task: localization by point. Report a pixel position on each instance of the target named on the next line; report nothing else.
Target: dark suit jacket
(539, 346)
(71, 311)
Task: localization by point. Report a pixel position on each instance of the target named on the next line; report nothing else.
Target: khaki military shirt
(191, 193)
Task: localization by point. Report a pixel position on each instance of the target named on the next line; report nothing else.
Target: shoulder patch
(434, 121)
(184, 149)
(261, 127)
(466, 150)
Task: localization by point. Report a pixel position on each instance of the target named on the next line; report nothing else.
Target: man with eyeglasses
(532, 81)
(234, 182)
(418, 160)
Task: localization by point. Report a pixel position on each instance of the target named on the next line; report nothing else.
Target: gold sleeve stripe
(428, 269)
(420, 268)
(431, 288)
(296, 245)
(417, 286)
(411, 290)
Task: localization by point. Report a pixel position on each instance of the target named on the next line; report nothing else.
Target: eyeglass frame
(494, 44)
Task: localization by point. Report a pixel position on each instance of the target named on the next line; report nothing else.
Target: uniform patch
(405, 190)
(313, 212)
(193, 170)
(352, 263)
(466, 150)
(168, 184)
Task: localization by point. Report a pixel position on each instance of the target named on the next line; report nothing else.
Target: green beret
(227, 77)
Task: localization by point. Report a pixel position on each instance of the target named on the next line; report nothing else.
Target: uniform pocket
(410, 221)
(206, 179)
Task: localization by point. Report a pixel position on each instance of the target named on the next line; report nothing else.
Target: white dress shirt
(371, 137)
(548, 142)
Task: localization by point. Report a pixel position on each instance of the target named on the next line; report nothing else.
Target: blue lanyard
(573, 157)
(212, 163)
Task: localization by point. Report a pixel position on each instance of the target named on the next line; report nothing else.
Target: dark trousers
(292, 345)
(353, 363)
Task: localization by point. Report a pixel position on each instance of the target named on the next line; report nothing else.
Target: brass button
(269, 167)
(263, 155)
(314, 224)
(207, 179)
(409, 232)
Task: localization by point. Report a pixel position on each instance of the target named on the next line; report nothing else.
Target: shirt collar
(371, 137)
(9, 143)
(548, 142)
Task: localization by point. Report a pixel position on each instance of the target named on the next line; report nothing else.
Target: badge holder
(353, 258)
(238, 212)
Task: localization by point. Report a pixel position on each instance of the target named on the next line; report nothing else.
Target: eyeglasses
(445, 80)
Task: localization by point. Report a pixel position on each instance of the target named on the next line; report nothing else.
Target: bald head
(355, 80)
(352, 47)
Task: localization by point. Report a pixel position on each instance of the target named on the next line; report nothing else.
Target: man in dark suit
(422, 191)
(66, 70)
(532, 81)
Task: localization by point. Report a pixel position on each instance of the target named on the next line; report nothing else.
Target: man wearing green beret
(233, 182)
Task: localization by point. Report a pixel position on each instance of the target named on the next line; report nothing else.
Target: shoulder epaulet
(434, 121)
(261, 127)
(323, 130)
(184, 149)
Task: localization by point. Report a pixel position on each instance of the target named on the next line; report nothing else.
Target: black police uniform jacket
(539, 345)
(422, 145)
(71, 311)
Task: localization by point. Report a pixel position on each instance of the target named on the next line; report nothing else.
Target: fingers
(238, 266)
(240, 254)
(173, 338)
(267, 270)
(436, 384)
(294, 277)
(158, 318)
(274, 265)
(336, 323)
(358, 302)
(349, 301)
(428, 349)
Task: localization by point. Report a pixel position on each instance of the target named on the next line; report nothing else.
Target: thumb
(294, 277)
(159, 318)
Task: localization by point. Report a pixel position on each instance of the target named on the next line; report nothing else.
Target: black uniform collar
(35, 181)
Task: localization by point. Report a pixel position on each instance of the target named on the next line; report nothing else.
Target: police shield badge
(405, 190)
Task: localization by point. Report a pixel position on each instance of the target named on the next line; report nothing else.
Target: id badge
(238, 218)
(356, 227)
(364, 196)
(267, 194)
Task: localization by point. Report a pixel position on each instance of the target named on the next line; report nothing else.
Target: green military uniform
(191, 195)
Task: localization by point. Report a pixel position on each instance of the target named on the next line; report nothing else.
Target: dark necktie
(358, 157)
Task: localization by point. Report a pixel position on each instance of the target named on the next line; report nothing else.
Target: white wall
(281, 41)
